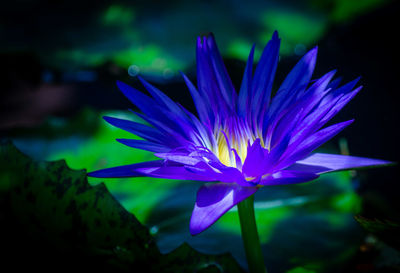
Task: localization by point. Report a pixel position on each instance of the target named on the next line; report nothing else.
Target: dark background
(58, 58)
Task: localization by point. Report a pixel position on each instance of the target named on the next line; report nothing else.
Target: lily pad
(64, 218)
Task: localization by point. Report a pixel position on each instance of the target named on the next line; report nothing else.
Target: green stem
(250, 238)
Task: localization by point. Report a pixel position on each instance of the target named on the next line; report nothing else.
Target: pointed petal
(219, 172)
(323, 163)
(285, 126)
(206, 80)
(174, 138)
(256, 155)
(245, 88)
(302, 72)
(297, 151)
(178, 172)
(288, 177)
(264, 77)
(182, 158)
(322, 136)
(335, 83)
(223, 80)
(136, 128)
(307, 114)
(238, 160)
(132, 170)
(345, 89)
(314, 94)
(144, 145)
(157, 169)
(143, 102)
(205, 114)
(295, 83)
(312, 122)
(151, 108)
(214, 200)
(339, 105)
(162, 98)
(275, 154)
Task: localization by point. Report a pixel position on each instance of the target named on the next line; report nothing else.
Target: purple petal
(295, 82)
(296, 119)
(177, 172)
(180, 157)
(339, 105)
(311, 123)
(323, 163)
(207, 83)
(256, 156)
(275, 155)
(205, 114)
(216, 171)
(178, 131)
(155, 110)
(143, 102)
(345, 89)
(297, 151)
(245, 88)
(284, 126)
(329, 106)
(223, 80)
(302, 72)
(315, 93)
(288, 177)
(157, 169)
(238, 160)
(161, 98)
(335, 83)
(144, 145)
(133, 170)
(322, 136)
(151, 108)
(264, 76)
(213, 200)
(136, 128)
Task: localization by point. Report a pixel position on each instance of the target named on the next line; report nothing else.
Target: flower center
(226, 154)
(232, 142)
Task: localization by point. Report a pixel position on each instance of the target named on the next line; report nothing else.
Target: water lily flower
(239, 142)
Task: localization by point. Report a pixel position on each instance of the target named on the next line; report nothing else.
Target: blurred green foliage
(118, 15)
(160, 41)
(346, 10)
(296, 29)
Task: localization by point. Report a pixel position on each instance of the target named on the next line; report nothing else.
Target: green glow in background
(128, 34)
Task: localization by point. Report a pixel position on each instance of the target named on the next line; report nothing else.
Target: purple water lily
(239, 141)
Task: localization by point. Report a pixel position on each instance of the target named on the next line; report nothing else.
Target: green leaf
(58, 208)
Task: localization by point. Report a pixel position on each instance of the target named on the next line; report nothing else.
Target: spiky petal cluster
(243, 140)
